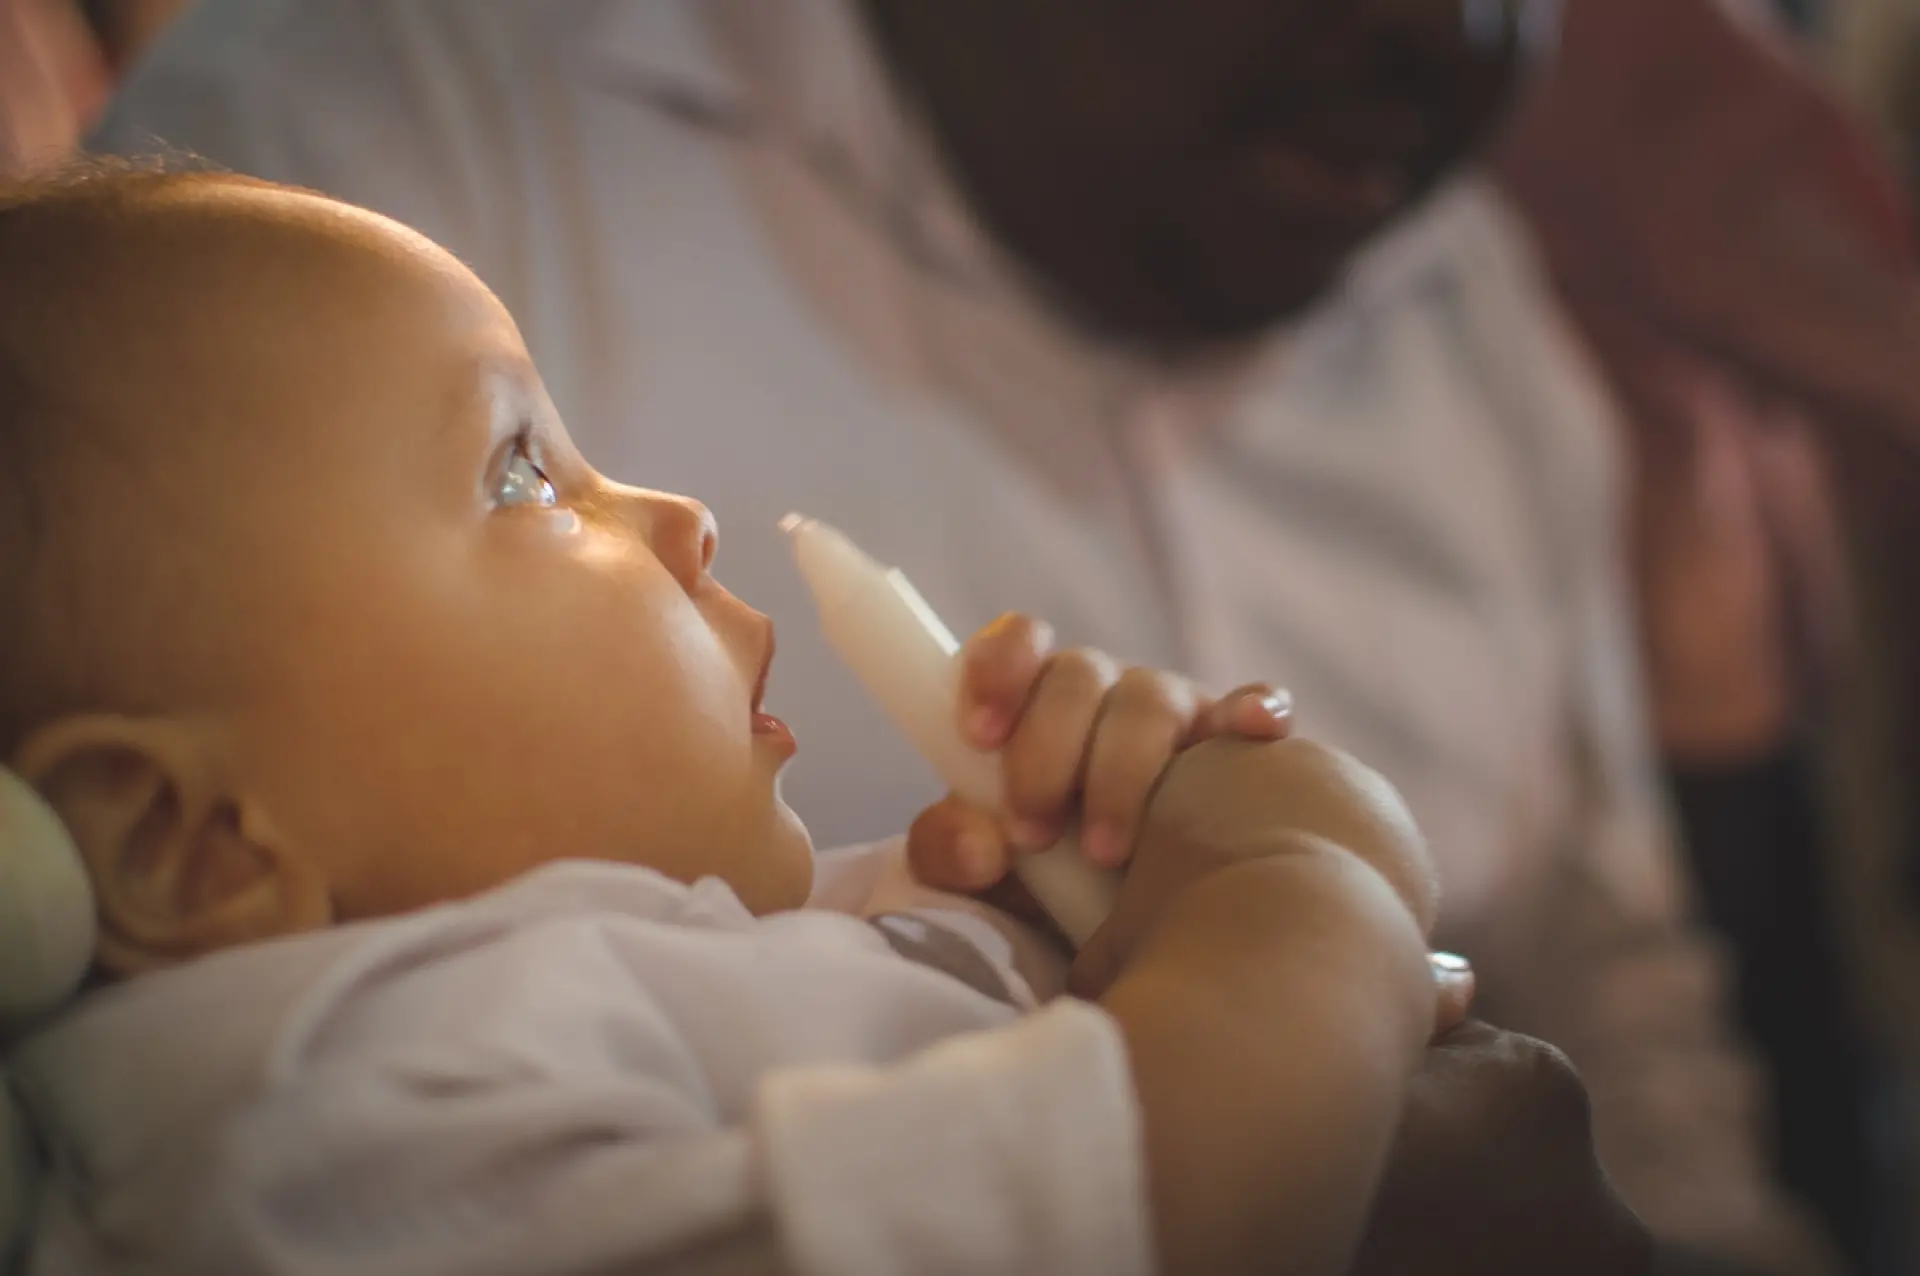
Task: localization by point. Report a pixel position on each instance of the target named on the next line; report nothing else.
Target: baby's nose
(684, 537)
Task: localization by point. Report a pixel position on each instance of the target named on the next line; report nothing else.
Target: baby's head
(313, 611)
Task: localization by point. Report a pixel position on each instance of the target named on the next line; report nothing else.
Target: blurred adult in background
(1170, 323)
(126, 29)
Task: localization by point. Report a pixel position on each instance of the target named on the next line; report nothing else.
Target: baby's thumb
(958, 847)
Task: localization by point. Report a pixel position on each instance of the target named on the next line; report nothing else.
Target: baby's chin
(765, 858)
(787, 861)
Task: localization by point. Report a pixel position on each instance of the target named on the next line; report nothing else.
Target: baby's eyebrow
(495, 388)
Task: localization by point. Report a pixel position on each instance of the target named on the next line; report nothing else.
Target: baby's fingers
(1256, 711)
(1045, 760)
(957, 847)
(1146, 717)
(999, 667)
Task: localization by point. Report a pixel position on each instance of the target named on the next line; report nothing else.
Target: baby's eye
(521, 481)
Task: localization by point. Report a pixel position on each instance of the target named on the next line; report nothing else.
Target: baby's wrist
(1307, 883)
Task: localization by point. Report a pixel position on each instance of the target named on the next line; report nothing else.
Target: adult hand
(1495, 1174)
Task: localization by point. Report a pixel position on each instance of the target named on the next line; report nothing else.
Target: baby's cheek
(656, 744)
(444, 737)
(419, 770)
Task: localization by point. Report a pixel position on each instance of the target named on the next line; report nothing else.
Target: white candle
(901, 652)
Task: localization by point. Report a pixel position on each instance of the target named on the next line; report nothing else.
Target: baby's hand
(1230, 801)
(1079, 736)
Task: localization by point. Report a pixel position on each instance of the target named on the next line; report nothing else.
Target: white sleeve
(996, 1152)
(875, 880)
(604, 1094)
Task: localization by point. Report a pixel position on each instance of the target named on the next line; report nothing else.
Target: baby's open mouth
(764, 723)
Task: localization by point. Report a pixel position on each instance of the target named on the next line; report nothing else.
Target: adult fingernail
(1449, 967)
(1262, 715)
(1104, 845)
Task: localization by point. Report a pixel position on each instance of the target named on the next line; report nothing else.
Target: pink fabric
(1693, 186)
(1740, 260)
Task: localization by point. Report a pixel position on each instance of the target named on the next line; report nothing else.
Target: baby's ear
(179, 865)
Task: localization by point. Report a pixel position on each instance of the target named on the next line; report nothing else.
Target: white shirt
(593, 1069)
(745, 277)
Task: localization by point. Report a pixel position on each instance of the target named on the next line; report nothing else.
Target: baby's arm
(1272, 983)
(1275, 1006)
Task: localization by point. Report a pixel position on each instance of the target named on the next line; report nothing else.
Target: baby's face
(464, 652)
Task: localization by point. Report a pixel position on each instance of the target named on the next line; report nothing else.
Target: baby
(450, 917)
